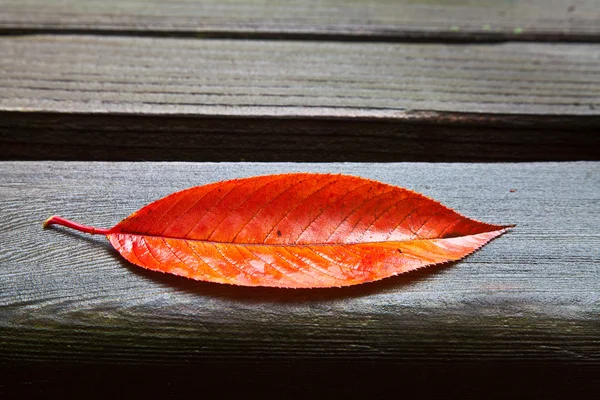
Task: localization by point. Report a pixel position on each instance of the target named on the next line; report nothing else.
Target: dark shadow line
(380, 37)
(436, 118)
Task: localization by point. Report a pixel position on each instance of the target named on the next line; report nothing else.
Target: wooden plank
(77, 74)
(531, 295)
(99, 98)
(334, 19)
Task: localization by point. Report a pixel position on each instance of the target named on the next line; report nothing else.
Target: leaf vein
(201, 259)
(230, 261)
(298, 205)
(189, 208)
(332, 261)
(237, 207)
(207, 211)
(287, 250)
(387, 211)
(267, 203)
(358, 208)
(282, 272)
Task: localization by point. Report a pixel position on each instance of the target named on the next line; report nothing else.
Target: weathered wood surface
(531, 295)
(335, 19)
(280, 79)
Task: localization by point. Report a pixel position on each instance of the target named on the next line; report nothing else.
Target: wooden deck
(492, 109)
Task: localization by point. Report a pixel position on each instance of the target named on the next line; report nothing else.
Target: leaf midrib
(501, 230)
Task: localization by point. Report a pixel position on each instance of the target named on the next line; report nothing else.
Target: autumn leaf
(296, 230)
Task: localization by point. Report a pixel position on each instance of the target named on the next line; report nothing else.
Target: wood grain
(531, 295)
(76, 74)
(333, 19)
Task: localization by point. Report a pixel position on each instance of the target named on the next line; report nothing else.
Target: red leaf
(294, 230)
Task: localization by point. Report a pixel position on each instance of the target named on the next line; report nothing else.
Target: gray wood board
(77, 74)
(338, 19)
(446, 137)
(530, 295)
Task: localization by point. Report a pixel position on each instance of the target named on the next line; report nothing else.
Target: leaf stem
(56, 220)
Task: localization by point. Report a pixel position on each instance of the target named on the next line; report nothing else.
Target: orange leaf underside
(296, 231)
